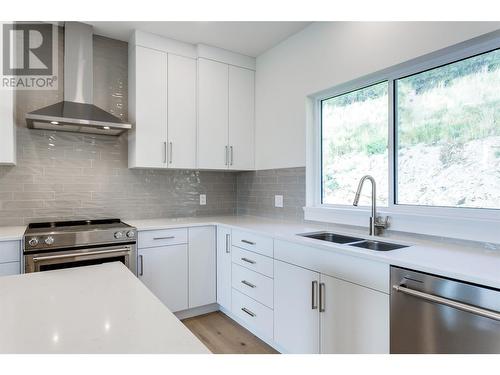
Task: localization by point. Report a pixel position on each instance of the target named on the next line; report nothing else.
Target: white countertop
(12, 233)
(473, 264)
(95, 309)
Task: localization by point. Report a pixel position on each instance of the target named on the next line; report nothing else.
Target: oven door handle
(75, 255)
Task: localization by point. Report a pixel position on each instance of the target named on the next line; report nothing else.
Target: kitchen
(185, 191)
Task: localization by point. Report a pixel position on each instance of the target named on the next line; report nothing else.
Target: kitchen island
(94, 309)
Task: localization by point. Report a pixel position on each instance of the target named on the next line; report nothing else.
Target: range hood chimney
(77, 113)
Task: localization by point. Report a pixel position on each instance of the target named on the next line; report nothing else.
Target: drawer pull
(248, 260)
(248, 242)
(164, 238)
(245, 310)
(248, 284)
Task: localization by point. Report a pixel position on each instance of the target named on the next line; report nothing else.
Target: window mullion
(391, 143)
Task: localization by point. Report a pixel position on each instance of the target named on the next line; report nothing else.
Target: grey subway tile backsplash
(256, 191)
(62, 176)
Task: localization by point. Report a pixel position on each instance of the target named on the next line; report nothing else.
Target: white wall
(327, 54)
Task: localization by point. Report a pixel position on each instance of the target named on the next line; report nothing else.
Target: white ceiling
(248, 38)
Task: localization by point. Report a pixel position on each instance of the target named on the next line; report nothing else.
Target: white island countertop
(94, 309)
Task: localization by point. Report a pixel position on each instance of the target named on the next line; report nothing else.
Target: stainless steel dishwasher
(433, 314)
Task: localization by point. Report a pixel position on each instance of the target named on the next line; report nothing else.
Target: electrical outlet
(278, 201)
(203, 199)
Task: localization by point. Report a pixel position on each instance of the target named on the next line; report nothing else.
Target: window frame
(459, 222)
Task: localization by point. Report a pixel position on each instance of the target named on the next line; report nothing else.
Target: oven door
(80, 257)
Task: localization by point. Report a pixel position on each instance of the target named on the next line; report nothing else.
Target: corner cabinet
(162, 108)
(226, 112)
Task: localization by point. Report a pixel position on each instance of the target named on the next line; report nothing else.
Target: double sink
(354, 241)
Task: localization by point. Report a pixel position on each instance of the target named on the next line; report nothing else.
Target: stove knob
(33, 241)
(49, 240)
(130, 234)
(118, 235)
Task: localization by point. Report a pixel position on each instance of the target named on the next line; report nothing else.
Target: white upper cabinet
(7, 128)
(191, 106)
(213, 152)
(241, 118)
(181, 112)
(147, 108)
(162, 107)
(226, 113)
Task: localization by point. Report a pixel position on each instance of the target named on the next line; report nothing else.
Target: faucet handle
(382, 222)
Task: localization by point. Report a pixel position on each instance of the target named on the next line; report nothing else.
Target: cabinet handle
(248, 260)
(225, 155)
(171, 152)
(248, 242)
(228, 236)
(248, 284)
(142, 265)
(164, 238)
(252, 314)
(164, 152)
(314, 291)
(231, 153)
(322, 297)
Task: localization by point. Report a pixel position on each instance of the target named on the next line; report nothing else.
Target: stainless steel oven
(58, 245)
(81, 257)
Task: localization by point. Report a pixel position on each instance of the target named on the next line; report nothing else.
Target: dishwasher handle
(448, 302)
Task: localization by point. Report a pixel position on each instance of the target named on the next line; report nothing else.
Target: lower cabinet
(353, 319)
(202, 266)
(317, 313)
(10, 258)
(7, 269)
(164, 270)
(296, 317)
(224, 267)
(179, 266)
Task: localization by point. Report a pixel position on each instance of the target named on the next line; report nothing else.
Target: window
(427, 130)
(448, 135)
(354, 143)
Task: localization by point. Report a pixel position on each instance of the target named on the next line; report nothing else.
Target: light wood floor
(223, 335)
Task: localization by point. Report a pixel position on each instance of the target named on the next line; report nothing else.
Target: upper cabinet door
(148, 108)
(241, 118)
(181, 112)
(7, 128)
(212, 114)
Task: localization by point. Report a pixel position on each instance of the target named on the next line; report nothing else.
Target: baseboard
(189, 313)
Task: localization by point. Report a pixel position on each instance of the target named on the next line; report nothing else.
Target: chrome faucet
(377, 223)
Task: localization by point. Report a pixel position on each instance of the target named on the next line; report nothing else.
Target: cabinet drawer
(256, 316)
(13, 268)
(253, 284)
(163, 237)
(10, 251)
(254, 242)
(253, 261)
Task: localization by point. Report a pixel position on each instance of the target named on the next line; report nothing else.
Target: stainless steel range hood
(77, 113)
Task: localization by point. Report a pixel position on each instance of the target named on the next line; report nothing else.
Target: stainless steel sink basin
(378, 246)
(332, 237)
